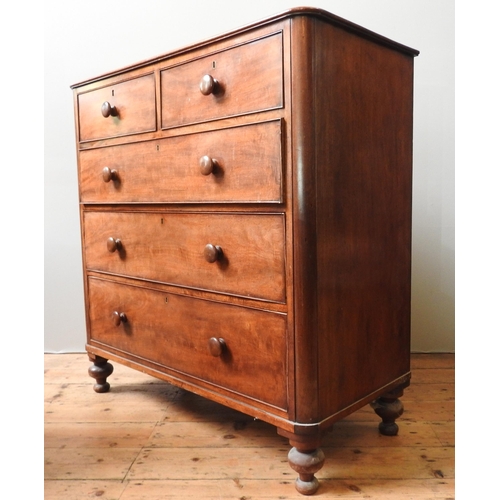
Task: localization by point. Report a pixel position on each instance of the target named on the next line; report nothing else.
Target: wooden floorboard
(147, 440)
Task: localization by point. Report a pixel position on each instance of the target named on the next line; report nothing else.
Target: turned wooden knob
(209, 85)
(212, 253)
(208, 165)
(109, 174)
(216, 346)
(114, 244)
(119, 317)
(108, 109)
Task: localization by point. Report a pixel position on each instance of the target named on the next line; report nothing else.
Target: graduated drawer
(239, 80)
(225, 345)
(239, 164)
(237, 254)
(131, 109)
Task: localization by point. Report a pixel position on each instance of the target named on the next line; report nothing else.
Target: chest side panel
(364, 170)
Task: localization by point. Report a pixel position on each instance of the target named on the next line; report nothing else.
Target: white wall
(85, 39)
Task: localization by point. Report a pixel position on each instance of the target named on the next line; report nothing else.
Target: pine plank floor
(147, 440)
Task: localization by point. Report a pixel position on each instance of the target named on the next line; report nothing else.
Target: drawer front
(246, 251)
(176, 332)
(204, 167)
(240, 80)
(133, 109)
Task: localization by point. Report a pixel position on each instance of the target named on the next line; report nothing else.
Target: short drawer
(240, 80)
(238, 254)
(239, 164)
(124, 108)
(225, 345)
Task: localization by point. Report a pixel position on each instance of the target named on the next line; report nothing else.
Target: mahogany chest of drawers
(246, 222)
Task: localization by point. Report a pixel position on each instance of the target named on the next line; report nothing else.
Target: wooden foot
(306, 458)
(388, 407)
(306, 463)
(100, 371)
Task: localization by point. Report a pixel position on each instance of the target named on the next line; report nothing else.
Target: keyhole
(213, 65)
(113, 93)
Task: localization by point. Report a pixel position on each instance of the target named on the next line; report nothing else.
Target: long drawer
(240, 80)
(225, 345)
(238, 164)
(123, 108)
(239, 254)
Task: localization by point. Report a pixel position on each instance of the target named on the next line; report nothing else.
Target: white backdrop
(85, 39)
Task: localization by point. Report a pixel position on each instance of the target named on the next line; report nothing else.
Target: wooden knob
(209, 85)
(212, 253)
(208, 165)
(216, 346)
(109, 174)
(108, 109)
(119, 317)
(114, 244)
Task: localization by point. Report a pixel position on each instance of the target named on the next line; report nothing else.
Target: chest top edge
(311, 12)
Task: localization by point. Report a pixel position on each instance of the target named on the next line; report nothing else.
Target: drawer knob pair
(108, 109)
(216, 346)
(208, 165)
(209, 85)
(109, 174)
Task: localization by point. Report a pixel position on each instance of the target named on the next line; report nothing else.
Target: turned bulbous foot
(388, 409)
(306, 464)
(100, 371)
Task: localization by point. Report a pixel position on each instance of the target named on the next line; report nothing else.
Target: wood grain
(157, 329)
(169, 248)
(363, 220)
(135, 103)
(250, 77)
(168, 170)
(167, 271)
(150, 444)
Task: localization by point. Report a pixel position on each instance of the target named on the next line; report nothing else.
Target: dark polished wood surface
(170, 170)
(249, 79)
(124, 108)
(171, 248)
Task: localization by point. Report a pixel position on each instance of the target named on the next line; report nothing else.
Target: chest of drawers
(246, 223)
